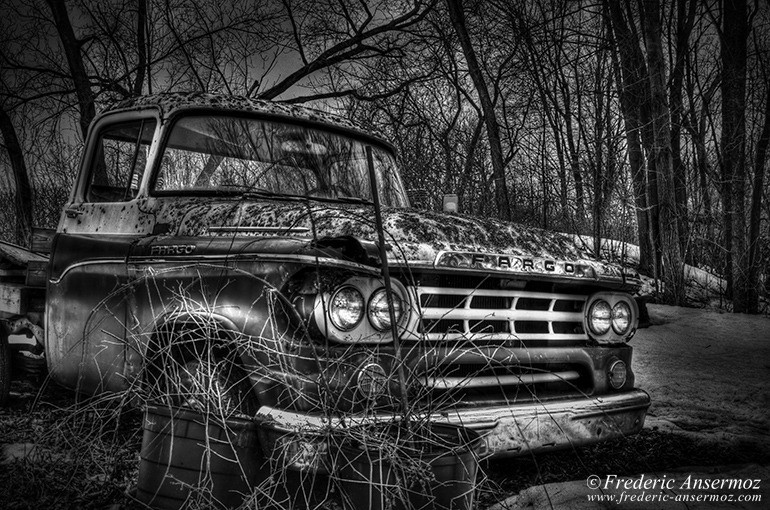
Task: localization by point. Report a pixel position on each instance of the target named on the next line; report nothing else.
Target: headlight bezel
(363, 331)
(611, 335)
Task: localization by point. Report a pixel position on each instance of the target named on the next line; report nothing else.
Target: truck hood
(416, 237)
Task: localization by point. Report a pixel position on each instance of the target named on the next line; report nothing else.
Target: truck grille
(492, 373)
(452, 314)
(473, 381)
(511, 379)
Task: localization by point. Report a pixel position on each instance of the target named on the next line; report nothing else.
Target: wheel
(212, 384)
(5, 370)
(199, 375)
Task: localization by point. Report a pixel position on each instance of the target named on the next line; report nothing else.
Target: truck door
(86, 320)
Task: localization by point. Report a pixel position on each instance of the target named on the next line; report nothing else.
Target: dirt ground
(707, 374)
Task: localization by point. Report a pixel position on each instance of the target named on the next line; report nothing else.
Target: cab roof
(170, 102)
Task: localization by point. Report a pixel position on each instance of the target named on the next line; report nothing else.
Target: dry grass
(69, 454)
(87, 460)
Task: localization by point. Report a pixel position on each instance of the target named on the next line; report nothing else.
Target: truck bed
(22, 280)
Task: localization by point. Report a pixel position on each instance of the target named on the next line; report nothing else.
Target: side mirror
(451, 203)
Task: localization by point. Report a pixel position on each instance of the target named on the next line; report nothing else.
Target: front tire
(201, 375)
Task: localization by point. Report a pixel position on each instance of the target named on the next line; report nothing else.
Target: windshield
(215, 154)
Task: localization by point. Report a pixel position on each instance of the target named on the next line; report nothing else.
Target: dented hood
(421, 238)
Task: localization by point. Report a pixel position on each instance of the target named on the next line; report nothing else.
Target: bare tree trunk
(699, 140)
(733, 142)
(574, 162)
(550, 91)
(696, 125)
(141, 45)
(487, 106)
(71, 47)
(546, 96)
(631, 86)
(470, 158)
(23, 195)
(684, 22)
(600, 175)
(756, 212)
(673, 266)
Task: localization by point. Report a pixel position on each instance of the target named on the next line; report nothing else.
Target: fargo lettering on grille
(511, 263)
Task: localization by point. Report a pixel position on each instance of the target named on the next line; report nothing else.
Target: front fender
(245, 309)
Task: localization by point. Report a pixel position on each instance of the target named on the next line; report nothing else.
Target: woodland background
(645, 121)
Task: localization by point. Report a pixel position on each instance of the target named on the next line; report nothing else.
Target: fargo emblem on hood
(512, 263)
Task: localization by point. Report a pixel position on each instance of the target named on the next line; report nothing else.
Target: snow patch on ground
(706, 372)
(611, 250)
(707, 375)
(703, 287)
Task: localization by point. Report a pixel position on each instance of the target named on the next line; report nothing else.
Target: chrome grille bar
(466, 321)
(501, 315)
(487, 381)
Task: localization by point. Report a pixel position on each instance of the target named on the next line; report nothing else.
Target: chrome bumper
(516, 429)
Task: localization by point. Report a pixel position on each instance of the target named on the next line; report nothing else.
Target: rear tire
(5, 370)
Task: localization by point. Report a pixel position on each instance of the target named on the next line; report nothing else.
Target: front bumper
(512, 430)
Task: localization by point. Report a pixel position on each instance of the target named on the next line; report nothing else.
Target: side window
(119, 161)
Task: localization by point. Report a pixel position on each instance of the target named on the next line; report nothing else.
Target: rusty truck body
(243, 232)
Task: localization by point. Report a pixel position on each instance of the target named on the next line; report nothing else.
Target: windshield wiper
(263, 193)
(351, 200)
(232, 191)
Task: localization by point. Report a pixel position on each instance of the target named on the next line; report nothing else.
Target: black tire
(5, 370)
(203, 377)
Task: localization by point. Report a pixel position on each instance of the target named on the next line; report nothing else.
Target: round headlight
(347, 308)
(600, 317)
(379, 314)
(621, 318)
(618, 374)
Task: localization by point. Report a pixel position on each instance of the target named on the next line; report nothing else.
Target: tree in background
(672, 267)
(638, 120)
(634, 94)
(733, 37)
(23, 196)
(758, 190)
(457, 15)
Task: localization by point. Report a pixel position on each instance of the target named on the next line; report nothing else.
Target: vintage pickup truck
(222, 252)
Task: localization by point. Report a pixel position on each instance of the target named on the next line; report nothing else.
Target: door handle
(73, 213)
